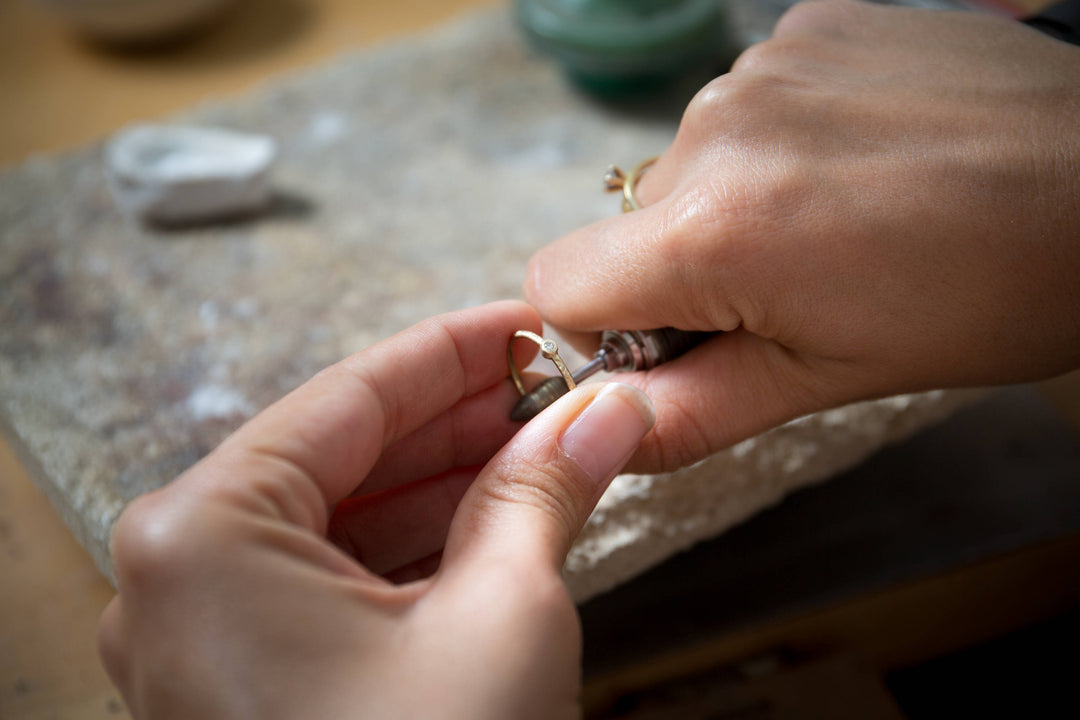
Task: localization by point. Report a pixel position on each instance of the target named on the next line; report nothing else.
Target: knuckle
(684, 254)
(736, 107)
(754, 58)
(283, 489)
(552, 487)
(810, 15)
(774, 62)
(678, 437)
(696, 250)
(708, 107)
(152, 540)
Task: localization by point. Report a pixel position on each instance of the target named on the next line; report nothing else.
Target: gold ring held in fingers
(548, 348)
(615, 180)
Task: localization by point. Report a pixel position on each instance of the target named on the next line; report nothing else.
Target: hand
(876, 200)
(233, 604)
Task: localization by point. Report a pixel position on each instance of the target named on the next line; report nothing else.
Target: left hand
(233, 604)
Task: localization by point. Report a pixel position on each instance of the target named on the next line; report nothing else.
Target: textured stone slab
(993, 483)
(644, 519)
(413, 178)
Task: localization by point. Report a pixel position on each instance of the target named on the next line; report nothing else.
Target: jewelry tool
(620, 350)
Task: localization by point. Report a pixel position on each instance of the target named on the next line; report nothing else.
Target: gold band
(615, 180)
(548, 348)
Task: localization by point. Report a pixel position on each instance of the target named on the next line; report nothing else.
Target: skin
(257, 584)
(877, 200)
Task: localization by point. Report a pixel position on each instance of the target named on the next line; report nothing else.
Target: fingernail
(607, 432)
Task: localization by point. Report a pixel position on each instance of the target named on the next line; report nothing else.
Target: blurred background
(62, 86)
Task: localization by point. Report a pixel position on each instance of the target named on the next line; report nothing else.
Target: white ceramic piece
(182, 174)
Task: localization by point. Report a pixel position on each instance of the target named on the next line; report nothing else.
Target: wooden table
(58, 92)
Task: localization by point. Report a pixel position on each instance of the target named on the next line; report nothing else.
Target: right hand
(876, 200)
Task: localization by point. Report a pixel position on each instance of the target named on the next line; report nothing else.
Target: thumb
(531, 500)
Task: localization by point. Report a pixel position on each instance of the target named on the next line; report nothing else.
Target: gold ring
(548, 348)
(615, 180)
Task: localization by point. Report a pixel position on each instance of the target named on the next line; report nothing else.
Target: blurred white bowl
(135, 20)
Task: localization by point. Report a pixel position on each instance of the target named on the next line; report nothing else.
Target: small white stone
(181, 174)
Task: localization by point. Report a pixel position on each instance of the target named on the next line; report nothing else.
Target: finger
(530, 502)
(417, 516)
(658, 181)
(646, 269)
(585, 265)
(468, 434)
(735, 386)
(315, 446)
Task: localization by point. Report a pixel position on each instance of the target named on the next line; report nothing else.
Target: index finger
(636, 271)
(315, 446)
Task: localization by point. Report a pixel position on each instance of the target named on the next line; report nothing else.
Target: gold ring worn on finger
(615, 180)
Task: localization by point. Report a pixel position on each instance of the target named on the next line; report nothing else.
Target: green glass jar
(614, 45)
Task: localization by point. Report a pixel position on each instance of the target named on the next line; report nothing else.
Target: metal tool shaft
(624, 350)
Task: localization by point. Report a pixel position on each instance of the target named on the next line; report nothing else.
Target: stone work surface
(414, 178)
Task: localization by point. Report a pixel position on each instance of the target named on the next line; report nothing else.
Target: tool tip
(531, 403)
(524, 410)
